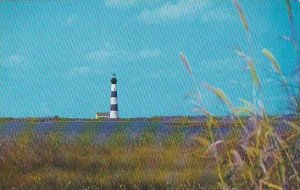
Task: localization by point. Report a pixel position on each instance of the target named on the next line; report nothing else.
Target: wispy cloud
(150, 53)
(216, 15)
(81, 71)
(71, 20)
(156, 75)
(172, 11)
(16, 59)
(101, 55)
(233, 82)
(110, 53)
(269, 80)
(119, 3)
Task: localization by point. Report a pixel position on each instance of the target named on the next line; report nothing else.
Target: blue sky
(57, 57)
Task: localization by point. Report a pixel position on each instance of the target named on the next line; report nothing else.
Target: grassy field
(260, 159)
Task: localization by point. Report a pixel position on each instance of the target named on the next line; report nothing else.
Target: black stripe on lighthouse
(114, 107)
(113, 94)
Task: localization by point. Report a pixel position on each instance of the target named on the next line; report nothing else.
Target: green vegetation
(30, 160)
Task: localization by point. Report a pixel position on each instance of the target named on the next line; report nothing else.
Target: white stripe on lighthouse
(113, 87)
(113, 100)
(113, 114)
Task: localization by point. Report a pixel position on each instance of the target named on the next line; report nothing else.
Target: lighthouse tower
(113, 99)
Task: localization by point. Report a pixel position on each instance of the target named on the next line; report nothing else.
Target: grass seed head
(220, 94)
(242, 15)
(186, 63)
(273, 60)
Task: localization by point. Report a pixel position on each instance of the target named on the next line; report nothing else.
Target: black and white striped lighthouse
(113, 99)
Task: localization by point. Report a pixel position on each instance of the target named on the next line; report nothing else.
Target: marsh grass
(32, 160)
(259, 158)
(46, 161)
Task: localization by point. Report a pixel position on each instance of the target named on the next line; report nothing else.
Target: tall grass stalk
(221, 95)
(190, 71)
(256, 86)
(294, 38)
(277, 69)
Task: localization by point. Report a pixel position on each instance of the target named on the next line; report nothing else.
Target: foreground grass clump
(33, 160)
(261, 157)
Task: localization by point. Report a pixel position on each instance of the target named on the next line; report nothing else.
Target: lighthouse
(113, 99)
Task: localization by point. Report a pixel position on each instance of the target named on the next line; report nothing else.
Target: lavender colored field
(101, 130)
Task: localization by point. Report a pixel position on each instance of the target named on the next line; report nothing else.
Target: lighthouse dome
(113, 79)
